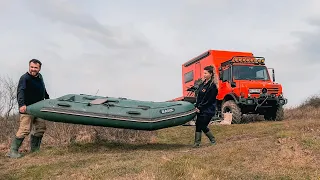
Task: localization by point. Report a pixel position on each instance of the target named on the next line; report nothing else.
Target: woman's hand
(197, 110)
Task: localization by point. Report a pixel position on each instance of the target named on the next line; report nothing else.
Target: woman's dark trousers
(202, 123)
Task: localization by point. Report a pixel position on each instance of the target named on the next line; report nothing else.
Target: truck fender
(231, 96)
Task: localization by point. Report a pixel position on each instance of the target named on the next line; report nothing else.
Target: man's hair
(36, 61)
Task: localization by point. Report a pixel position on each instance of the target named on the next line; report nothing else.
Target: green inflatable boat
(113, 112)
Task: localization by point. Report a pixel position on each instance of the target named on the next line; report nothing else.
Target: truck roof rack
(246, 60)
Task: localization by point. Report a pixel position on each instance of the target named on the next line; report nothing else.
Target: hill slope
(263, 150)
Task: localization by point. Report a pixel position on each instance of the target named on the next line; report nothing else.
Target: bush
(63, 134)
(309, 109)
(313, 101)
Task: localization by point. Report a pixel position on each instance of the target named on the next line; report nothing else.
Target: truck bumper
(263, 101)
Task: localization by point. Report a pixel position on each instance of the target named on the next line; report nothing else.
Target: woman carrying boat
(206, 105)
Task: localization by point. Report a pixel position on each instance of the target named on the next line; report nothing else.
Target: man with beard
(31, 89)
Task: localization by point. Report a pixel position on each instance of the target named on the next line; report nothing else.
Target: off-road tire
(275, 114)
(231, 106)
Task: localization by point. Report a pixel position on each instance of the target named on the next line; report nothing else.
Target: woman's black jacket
(206, 98)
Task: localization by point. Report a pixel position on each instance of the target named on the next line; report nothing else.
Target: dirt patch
(291, 151)
(242, 137)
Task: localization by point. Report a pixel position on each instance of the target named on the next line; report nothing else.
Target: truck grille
(273, 90)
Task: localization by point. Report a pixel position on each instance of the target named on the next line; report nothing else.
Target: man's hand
(197, 110)
(23, 109)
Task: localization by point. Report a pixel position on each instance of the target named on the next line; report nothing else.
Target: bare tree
(8, 100)
(2, 97)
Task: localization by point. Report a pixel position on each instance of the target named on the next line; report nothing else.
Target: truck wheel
(275, 114)
(232, 107)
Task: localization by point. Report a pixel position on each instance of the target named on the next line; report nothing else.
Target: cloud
(309, 46)
(4, 4)
(287, 38)
(136, 49)
(81, 24)
(116, 60)
(297, 64)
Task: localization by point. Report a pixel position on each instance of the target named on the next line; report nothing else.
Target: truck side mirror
(233, 84)
(273, 76)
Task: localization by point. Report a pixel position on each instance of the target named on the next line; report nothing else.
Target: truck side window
(262, 74)
(226, 75)
(188, 76)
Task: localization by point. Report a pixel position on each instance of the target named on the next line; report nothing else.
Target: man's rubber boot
(197, 140)
(14, 149)
(211, 137)
(35, 142)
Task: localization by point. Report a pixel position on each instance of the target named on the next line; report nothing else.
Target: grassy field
(289, 149)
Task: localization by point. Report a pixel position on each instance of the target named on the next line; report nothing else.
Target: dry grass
(309, 109)
(313, 101)
(288, 149)
(307, 112)
(62, 134)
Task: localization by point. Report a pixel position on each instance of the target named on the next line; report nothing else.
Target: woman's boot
(211, 137)
(197, 139)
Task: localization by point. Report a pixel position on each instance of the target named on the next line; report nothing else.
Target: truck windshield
(250, 73)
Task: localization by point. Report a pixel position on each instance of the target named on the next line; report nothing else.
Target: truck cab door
(225, 82)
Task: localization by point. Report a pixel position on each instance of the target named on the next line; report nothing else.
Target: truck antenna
(97, 92)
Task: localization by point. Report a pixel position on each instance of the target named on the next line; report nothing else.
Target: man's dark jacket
(31, 89)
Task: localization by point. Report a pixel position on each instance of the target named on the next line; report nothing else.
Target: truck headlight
(282, 101)
(281, 95)
(250, 101)
(253, 91)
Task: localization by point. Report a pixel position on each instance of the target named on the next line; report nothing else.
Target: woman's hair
(214, 78)
(209, 69)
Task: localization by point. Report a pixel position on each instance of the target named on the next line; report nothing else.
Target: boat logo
(164, 111)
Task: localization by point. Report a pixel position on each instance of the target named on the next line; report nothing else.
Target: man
(31, 89)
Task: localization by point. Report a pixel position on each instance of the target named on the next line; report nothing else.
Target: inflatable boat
(113, 112)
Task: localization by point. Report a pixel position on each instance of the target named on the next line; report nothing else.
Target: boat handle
(144, 107)
(115, 101)
(89, 98)
(134, 112)
(64, 104)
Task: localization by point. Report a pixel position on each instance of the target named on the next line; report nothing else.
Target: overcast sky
(135, 49)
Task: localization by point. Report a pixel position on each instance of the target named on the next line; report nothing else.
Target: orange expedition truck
(244, 83)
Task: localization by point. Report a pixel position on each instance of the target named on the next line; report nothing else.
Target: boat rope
(117, 117)
(114, 105)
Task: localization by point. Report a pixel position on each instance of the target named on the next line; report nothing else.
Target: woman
(206, 106)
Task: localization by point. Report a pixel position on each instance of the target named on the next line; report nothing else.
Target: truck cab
(244, 84)
(247, 88)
